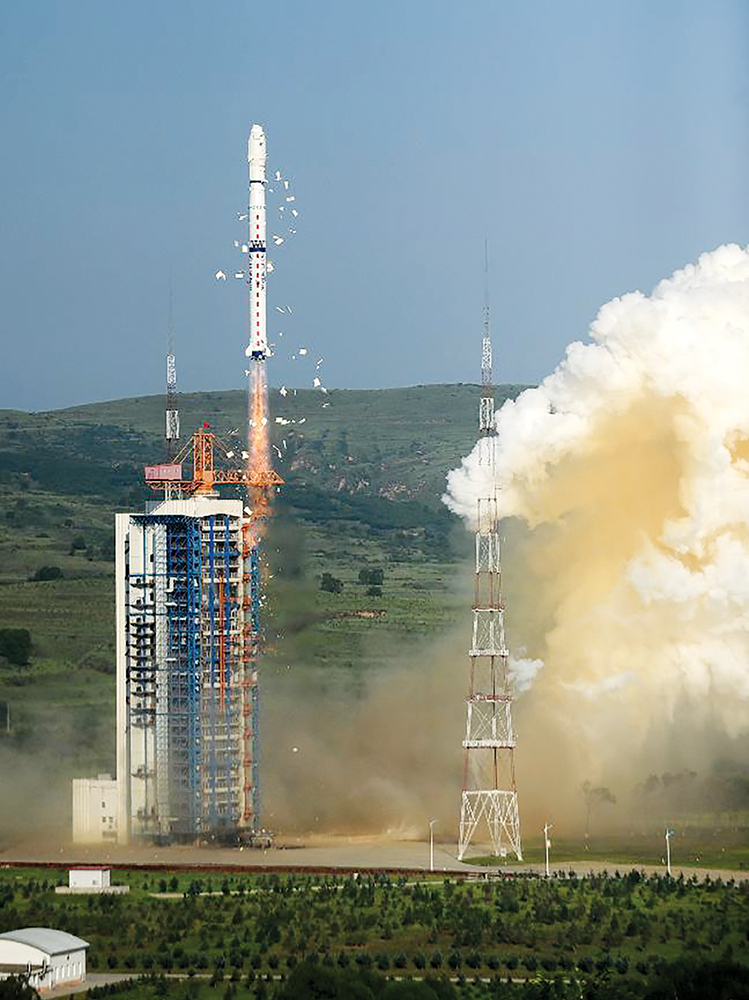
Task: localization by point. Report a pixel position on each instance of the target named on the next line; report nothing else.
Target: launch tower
(489, 787)
(184, 592)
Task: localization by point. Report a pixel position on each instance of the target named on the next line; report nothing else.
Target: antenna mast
(486, 403)
(172, 413)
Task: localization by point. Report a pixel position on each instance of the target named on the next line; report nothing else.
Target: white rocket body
(256, 256)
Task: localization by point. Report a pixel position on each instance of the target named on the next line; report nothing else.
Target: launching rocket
(257, 349)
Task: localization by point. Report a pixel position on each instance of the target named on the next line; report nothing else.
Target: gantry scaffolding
(191, 583)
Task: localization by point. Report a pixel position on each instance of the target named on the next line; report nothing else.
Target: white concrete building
(91, 877)
(51, 958)
(95, 810)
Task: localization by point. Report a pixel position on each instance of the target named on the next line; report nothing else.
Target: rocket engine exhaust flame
(261, 477)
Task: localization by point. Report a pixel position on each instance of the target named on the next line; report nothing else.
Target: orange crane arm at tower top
(205, 475)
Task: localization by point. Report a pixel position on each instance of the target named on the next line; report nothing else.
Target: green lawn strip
(690, 848)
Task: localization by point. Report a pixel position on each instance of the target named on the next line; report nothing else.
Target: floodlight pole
(547, 844)
(669, 835)
(431, 844)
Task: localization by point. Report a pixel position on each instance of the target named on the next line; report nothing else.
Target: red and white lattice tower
(489, 787)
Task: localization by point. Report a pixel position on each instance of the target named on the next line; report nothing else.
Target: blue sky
(599, 146)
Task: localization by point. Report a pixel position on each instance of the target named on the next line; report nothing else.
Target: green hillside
(345, 458)
(364, 476)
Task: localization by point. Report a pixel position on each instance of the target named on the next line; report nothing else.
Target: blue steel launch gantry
(193, 638)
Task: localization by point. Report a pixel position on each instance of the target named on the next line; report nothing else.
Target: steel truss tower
(489, 787)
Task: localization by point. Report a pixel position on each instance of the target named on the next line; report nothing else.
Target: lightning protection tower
(489, 787)
(171, 430)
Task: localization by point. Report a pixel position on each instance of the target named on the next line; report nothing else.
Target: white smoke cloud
(522, 671)
(629, 465)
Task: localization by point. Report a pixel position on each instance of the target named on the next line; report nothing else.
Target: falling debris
(291, 198)
(316, 382)
(283, 390)
(278, 240)
(286, 185)
(278, 175)
(302, 350)
(319, 362)
(294, 212)
(269, 265)
(239, 274)
(220, 276)
(245, 248)
(230, 454)
(325, 404)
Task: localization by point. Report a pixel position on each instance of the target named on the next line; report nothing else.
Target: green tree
(17, 988)
(594, 796)
(15, 645)
(48, 573)
(331, 584)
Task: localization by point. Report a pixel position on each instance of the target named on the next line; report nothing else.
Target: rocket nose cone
(256, 143)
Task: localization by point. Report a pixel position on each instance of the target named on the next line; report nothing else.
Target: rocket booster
(257, 349)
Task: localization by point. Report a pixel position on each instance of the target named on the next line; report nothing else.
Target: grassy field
(239, 928)
(62, 704)
(719, 847)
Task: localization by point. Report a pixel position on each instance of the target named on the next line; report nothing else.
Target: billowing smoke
(626, 474)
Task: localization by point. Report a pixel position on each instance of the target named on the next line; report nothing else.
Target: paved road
(346, 853)
(92, 979)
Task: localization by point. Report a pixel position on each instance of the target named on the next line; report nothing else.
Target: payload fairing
(257, 349)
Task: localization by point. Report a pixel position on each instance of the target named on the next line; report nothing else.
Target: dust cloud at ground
(35, 799)
(384, 759)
